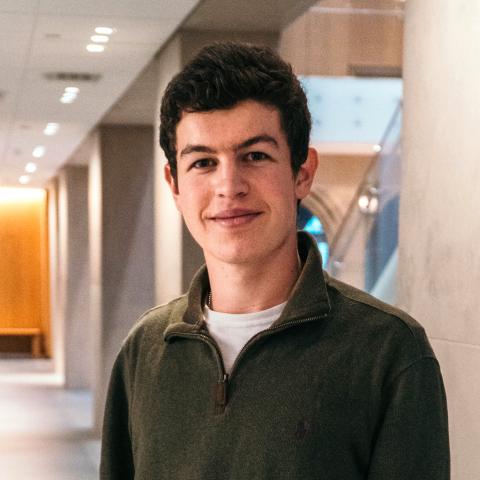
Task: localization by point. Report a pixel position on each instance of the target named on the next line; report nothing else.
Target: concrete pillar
(75, 325)
(439, 262)
(54, 273)
(168, 223)
(122, 241)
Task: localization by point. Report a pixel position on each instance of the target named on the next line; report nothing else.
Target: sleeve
(116, 454)
(412, 438)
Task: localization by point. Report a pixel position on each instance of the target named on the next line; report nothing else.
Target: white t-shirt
(232, 331)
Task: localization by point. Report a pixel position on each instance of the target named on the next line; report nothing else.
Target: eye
(203, 163)
(256, 156)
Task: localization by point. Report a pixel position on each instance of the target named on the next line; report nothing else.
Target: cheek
(283, 190)
(283, 201)
(192, 199)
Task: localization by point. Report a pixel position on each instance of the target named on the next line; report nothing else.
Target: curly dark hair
(223, 74)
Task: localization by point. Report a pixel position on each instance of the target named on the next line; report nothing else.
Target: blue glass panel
(310, 223)
(314, 226)
(324, 251)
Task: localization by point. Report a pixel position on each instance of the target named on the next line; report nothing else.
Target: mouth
(235, 217)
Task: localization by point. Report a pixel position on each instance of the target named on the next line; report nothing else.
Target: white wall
(439, 259)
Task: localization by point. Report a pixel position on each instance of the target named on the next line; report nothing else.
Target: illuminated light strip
(12, 194)
(358, 11)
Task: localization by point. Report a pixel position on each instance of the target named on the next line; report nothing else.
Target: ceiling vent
(72, 77)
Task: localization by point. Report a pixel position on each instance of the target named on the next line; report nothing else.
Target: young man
(267, 368)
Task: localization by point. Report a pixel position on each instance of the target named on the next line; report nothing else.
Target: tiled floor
(45, 430)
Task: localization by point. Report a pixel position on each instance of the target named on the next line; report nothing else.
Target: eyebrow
(257, 139)
(247, 143)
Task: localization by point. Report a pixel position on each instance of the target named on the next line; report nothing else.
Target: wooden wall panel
(375, 40)
(331, 42)
(23, 260)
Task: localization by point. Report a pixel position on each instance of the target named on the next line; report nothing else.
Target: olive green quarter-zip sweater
(340, 387)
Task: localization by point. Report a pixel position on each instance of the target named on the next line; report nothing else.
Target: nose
(230, 180)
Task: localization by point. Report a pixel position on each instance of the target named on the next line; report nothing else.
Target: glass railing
(349, 110)
(367, 238)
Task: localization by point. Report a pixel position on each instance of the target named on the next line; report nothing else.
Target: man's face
(235, 186)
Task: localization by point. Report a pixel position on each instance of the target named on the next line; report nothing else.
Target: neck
(244, 288)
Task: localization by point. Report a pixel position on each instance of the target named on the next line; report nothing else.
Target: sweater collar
(308, 298)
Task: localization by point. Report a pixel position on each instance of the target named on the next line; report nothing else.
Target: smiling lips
(235, 217)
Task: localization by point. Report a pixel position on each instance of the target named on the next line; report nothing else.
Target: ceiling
(138, 106)
(247, 15)
(40, 37)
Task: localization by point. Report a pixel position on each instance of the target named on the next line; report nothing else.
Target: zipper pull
(220, 395)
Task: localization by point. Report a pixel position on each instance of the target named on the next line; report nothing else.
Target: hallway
(45, 430)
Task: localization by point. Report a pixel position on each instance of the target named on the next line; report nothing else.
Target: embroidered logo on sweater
(303, 427)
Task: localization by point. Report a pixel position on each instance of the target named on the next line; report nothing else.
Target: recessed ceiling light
(70, 94)
(31, 167)
(39, 151)
(100, 38)
(95, 48)
(24, 179)
(377, 148)
(51, 128)
(104, 30)
(74, 90)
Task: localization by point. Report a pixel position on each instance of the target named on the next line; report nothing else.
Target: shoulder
(377, 326)
(144, 345)
(150, 327)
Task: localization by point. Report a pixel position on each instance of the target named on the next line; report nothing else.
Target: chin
(236, 254)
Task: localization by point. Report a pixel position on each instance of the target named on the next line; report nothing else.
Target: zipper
(268, 331)
(220, 393)
(220, 387)
(213, 345)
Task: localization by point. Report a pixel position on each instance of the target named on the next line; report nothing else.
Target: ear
(306, 174)
(172, 183)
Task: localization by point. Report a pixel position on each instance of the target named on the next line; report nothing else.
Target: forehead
(224, 127)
